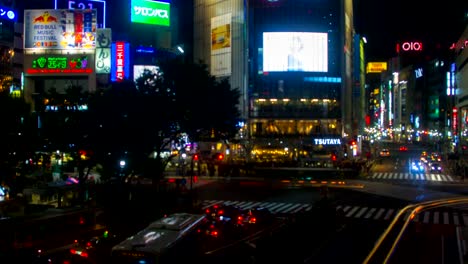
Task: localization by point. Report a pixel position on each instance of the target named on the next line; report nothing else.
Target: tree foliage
(137, 119)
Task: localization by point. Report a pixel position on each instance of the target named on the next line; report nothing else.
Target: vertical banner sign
(454, 120)
(103, 50)
(120, 68)
(221, 45)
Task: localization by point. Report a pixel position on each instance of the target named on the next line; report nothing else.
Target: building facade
(291, 60)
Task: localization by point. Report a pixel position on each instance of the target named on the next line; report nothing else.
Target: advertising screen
(99, 5)
(295, 51)
(221, 43)
(150, 12)
(138, 70)
(60, 29)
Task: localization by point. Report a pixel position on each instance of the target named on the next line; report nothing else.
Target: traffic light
(219, 156)
(195, 157)
(333, 157)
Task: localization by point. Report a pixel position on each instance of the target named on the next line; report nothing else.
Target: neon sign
(327, 141)
(412, 46)
(120, 66)
(7, 13)
(59, 64)
(150, 12)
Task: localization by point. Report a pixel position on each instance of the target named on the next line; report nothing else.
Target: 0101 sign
(412, 46)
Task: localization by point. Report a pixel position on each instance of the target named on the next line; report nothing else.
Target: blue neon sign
(7, 13)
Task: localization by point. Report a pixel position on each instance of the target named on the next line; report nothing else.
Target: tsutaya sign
(327, 141)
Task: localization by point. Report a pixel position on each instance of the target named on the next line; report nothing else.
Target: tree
(16, 135)
(146, 116)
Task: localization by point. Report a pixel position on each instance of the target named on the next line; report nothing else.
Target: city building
(291, 60)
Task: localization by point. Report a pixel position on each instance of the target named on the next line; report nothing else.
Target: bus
(171, 239)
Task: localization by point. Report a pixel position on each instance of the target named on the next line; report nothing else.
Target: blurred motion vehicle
(257, 215)
(435, 167)
(417, 166)
(171, 239)
(384, 153)
(412, 237)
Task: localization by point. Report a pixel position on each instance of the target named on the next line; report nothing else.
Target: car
(417, 166)
(254, 216)
(385, 153)
(403, 148)
(222, 212)
(435, 167)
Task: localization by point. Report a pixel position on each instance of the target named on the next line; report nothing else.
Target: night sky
(385, 22)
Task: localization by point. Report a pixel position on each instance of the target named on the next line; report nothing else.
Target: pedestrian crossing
(452, 217)
(430, 177)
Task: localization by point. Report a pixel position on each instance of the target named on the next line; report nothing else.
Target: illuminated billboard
(295, 51)
(56, 64)
(103, 50)
(221, 45)
(138, 70)
(150, 12)
(376, 67)
(99, 5)
(59, 29)
(120, 66)
(7, 13)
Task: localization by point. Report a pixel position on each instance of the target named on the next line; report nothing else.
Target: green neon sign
(60, 63)
(150, 12)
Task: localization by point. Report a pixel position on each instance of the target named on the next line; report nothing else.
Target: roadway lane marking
(426, 218)
(389, 213)
(352, 211)
(465, 219)
(361, 212)
(436, 217)
(301, 208)
(308, 208)
(446, 218)
(456, 219)
(371, 211)
(379, 213)
(291, 208)
(274, 206)
(280, 209)
(211, 203)
(250, 205)
(242, 203)
(407, 176)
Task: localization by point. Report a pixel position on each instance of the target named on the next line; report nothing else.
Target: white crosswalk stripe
(274, 207)
(429, 177)
(355, 212)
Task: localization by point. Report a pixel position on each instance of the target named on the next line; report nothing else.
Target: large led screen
(150, 12)
(295, 51)
(138, 70)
